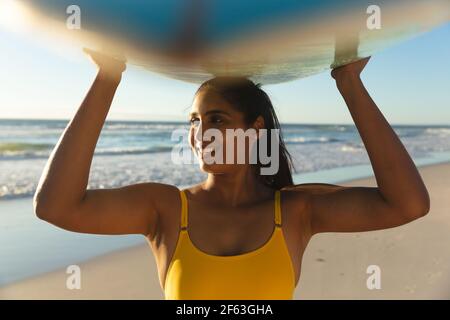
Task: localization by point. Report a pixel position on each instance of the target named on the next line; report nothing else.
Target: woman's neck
(239, 188)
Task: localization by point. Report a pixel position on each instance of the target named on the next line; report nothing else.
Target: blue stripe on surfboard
(161, 21)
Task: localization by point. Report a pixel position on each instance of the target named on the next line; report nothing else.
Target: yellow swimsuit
(265, 273)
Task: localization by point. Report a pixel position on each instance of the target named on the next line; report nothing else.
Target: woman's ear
(259, 123)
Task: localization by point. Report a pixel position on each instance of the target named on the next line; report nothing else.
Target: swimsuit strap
(184, 210)
(277, 208)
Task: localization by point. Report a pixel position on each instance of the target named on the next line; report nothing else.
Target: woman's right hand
(107, 65)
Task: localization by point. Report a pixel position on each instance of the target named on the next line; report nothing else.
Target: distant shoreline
(315, 176)
(182, 122)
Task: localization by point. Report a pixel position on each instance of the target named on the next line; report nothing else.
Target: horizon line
(182, 122)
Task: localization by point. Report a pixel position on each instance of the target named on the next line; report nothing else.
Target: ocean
(130, 152)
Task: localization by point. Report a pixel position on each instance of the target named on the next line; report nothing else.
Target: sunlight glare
(12, 15)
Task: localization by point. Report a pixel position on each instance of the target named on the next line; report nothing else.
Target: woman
(239, 234)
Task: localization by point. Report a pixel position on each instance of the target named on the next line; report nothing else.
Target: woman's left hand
(350, 70)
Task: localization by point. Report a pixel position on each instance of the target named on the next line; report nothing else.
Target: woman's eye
(216, 120)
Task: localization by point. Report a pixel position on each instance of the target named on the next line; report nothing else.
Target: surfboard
(269, 41)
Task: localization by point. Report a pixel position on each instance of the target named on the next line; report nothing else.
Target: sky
(410, 83)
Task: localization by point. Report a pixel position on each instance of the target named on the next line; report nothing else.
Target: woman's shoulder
(164, 196)
(192, 189)
(312, 188)
(298, 197)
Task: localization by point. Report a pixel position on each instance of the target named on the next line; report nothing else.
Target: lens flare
(12, 15)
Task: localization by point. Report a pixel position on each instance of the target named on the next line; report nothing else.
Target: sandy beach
(414, 260)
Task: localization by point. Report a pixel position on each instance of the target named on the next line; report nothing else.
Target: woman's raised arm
(401, 195)
(62, 197)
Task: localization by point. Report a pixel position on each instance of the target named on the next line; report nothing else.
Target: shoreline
(365, 173)
(130, 273)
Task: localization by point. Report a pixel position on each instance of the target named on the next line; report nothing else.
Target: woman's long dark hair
(248, 98)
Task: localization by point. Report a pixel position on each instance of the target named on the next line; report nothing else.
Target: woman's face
(211, 116)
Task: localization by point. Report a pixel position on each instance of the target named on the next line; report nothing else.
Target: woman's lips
(202, 150)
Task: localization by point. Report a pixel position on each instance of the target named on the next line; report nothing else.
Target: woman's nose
(198, 133)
